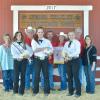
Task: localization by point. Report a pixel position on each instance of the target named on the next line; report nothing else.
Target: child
(20, 56)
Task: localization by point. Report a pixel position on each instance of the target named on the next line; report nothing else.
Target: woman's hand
(93, 66)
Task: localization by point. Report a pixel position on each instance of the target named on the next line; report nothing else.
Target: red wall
(6, 13)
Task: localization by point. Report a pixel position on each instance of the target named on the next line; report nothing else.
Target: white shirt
(74, 49)
(44, 43)
(17, 50)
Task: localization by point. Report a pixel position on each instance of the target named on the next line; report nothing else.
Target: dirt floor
(55, 95)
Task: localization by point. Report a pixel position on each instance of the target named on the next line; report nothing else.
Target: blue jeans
(82, 74)
(62, 72)
(29, 71)
(50, 69)
(90, 79)
(7, 76)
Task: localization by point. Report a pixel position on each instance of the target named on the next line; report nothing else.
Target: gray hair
(78, 30)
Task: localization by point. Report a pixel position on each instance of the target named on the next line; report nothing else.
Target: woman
(62, 67)
(42, 48)
(20, 55)
(6, 61)
(89, 61)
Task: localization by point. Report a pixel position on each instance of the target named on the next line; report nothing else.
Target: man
(30, 66)
(42, 49)
(72, 51)
(49, 36)
(80, 38)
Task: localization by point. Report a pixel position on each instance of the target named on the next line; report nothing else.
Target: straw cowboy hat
(63, 34)
(29, 30)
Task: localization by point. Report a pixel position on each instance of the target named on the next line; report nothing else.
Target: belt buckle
(42, 58)
(74, 58)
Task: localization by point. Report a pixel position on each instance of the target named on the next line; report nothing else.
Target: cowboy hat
(63, 34)
(29, 29)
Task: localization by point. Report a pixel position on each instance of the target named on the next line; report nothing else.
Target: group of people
(34, 55)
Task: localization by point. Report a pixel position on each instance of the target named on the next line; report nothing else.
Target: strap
(18, 48)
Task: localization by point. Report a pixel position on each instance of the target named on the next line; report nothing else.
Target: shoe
(34, 94)
(46, 94)
(69, 94)
(77, 95)
(52, 89)
(6, 90)
(21, 93)
(59, 89)
(90, 92)
(15, 94)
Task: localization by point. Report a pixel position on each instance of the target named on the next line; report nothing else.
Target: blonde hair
(6, 34)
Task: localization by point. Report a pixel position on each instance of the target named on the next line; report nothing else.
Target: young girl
(6, 62)
(20, 55)
(42, 48)
(89, 61)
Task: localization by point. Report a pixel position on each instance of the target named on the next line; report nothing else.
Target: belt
(41, 58)
(74, 58)
(19, 59)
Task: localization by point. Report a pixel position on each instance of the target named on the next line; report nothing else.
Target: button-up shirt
(6, 59)
(17, 50)
(45, 43)
(73, 50)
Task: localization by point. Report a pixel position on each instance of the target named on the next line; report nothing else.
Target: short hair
(6, 34)
(78, 29)
(71, 32)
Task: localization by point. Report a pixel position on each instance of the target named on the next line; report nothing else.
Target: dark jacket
(89, 55)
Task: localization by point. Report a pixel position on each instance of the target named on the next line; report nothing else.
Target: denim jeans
(82, 74)
(7, 76)
(90, 79)
(50, 68)
(29, 71)
(62, 73)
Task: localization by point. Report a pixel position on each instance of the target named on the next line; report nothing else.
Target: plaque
(50, 20)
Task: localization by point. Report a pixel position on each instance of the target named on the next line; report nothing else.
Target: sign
(51, 7)
(58, 58)
(50, 20)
